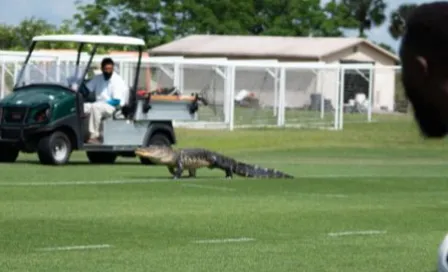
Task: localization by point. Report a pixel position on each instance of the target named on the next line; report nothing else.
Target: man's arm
(119, 90)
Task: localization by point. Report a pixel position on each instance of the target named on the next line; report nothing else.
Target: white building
(301, 84)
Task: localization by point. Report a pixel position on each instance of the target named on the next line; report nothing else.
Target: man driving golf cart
(45, 113)
(110, 91)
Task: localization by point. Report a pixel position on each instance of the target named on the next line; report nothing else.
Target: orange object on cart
(156, 97)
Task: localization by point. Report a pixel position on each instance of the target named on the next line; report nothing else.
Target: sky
(55, 11)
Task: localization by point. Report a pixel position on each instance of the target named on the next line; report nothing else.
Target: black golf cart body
(48, 117)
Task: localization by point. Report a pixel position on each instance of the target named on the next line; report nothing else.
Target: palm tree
(387, 47)
(368, 13)
(398, 19)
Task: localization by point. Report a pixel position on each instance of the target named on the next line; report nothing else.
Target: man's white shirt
(114, 88)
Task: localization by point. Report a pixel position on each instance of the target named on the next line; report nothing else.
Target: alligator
(193, 158)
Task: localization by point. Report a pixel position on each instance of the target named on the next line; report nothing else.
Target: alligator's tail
(255, 171)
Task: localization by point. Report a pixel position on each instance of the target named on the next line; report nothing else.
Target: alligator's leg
(192, 173)
(179, 169)
(172, 171)
(229, 173)
(224, 165)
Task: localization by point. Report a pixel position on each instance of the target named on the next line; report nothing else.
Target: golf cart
(46, 116)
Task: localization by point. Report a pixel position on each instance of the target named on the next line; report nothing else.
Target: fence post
(58, 69)
(227, 95)
(282, 98)
(231, 81)
(369, 109)
(3, 75)
(176, 75)
(337, 90)
(181, 79)
(276, 94)
(16, 73)
(341, 98)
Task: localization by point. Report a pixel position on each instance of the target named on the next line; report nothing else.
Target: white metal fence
(242, 93)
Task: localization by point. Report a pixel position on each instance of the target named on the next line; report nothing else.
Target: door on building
(356, 80)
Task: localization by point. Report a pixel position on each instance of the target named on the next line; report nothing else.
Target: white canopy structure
(98, 39)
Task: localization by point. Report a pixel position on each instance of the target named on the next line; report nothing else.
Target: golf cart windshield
(67, 69)
(53, 70)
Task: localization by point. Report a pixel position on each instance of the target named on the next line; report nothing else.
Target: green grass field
(293, 117)
(369, 198)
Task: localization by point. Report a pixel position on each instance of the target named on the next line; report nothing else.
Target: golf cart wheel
(101, 157)
(8, 154)
(54, 149)
(156, 139)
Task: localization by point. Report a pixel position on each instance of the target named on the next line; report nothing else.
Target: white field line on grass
(211, 179)
(324, 195)
(192, 185)
(228, 240)
(339, 176)
(316, 194)
(65, 248)
(361, 232)
(84, 182)
(345, 161)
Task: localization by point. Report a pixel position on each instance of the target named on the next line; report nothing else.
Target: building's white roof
(262, 46)
(359, 56)
(101, 39)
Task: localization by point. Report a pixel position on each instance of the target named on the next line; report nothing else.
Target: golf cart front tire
(54, 148)
(156, 139)
(8, 154)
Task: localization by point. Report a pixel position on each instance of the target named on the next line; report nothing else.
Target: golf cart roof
(99, 39)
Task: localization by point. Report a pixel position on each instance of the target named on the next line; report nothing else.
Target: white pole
(181, 79)
(16, 72)
(176, 77)
(282, 98)
(341, 99)
(369, 109)
(320, 89)
(276, 87)
(58, 69)
(337, 90)
(3, 75)
(67, 71)
(122, 72)
(232, 96)
(227, 95)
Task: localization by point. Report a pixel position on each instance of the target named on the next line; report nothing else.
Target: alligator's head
(156, 153)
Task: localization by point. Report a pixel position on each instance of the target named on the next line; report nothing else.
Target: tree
(18, 37)
(158, 22)
(30, 27)
(338, 15)
(297, 18)
(367, 13)
(387, 47)
(398, 19)
(8, 39)
(138, 18)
